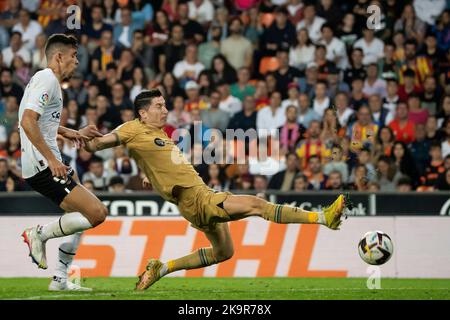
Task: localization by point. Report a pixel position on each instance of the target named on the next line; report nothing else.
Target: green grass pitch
(232, 289)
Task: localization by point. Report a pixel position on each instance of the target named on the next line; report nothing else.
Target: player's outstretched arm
(78, 137)
(107, 141)
(29, 125)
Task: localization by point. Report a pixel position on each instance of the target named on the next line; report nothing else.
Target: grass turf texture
(232, 289)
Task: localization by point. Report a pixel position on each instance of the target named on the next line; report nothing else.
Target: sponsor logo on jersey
(56, 115)
(159, 142)
(43, 100)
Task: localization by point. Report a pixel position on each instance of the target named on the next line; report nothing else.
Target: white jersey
(42, 95)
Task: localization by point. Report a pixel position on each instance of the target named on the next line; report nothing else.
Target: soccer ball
(375, 247)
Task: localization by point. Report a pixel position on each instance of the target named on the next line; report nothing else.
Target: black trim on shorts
(56, 189)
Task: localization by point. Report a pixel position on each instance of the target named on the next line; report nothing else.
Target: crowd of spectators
(353, 106)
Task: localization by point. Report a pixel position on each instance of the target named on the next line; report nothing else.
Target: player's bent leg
(66, 253)
(221, 250)
(83, 201)
(89, 213)
(242, 206)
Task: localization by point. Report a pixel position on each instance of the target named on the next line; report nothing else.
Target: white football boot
(61, 284)
(36, 246)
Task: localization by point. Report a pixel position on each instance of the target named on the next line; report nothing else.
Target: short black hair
(409, 73)
(327, 25)
(404, 180)
(144, 99)
(57, 41)
(96, 159)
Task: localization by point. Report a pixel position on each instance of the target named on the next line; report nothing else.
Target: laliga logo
(374, 21)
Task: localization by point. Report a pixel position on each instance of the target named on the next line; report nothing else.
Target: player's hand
(90, 131)
(75, 137)
(58, 168)
(146, 183)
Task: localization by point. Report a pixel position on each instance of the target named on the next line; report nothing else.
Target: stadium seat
(268, 64)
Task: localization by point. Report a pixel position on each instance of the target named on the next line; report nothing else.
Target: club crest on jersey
(43, 100)
(159, 142)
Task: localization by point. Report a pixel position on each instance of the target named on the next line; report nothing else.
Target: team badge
(159, 142)
(43, 100)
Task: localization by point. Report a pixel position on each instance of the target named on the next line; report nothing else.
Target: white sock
(66, 225)
(321, 218)
(66, 253)
(163, 270)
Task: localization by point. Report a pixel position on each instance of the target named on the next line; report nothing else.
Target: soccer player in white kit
(42, 167)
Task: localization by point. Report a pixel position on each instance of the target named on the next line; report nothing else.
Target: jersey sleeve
(126, 132)
(40, 94)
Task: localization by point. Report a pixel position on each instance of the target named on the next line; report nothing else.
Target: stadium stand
(367, 119)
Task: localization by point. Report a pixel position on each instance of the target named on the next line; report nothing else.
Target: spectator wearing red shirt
(403, 128)
(408, 87)
(416, 113)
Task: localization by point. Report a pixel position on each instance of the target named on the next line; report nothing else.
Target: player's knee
(224, 254)
(257, 205)
(99, 213)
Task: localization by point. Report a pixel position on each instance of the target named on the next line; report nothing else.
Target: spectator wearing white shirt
(271, 117)
(306, 114)
(429, 10)
(190, 67)
(373, 84)
(201, 10)
(292, 99)
(311, 22)
(445, 146)
(303, 52)
(28, 28)
(391, 100)
(229, 103)
(372, 47)
(343, 112)
(321, 101)
(39, 60)
(380, 115)
(336, 51)
(16, 48)
(236, 48)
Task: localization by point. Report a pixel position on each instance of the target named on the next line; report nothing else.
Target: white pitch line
(87, 295)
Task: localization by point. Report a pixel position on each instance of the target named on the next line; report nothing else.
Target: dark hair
(116, 180)
(57, 41)
(141, 31)
(327, 25)
(435, 144)
(404, 180)
(144, 99)
(301, 176)
(390, 132)
(411, 42)
(409, 73)
(308, 40)
(9, 70)
(96, 159)
(97, 6)
(16, 33)
(407, 164)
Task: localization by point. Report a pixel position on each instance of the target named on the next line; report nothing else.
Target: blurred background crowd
(354, 105)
